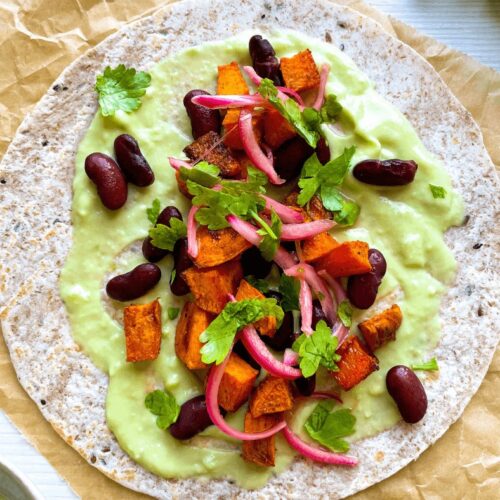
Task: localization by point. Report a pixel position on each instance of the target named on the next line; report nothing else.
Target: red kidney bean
(181, 262)
(193, 418)
(319, 315)
(203, 120)
(362, 289)
(385, 172)
(408, 393)
(132, 162)
(323, 151)
(109, 179)
(150, 252)
(305, 385)
(284, 337)
(241, 351)
(290, 156)
(135, 283)
(254, 264)
(264, 60)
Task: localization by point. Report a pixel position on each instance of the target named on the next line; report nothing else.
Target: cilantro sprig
(164, 406)
(344, 312)
(165, 237)
(437, 191)
(289, 287)
(219, 335)
(121, 88)
(154, 211)
(270, 235)
(203, 173)
(326, 180)
(431, 366)
(317, 350)
(328, 428)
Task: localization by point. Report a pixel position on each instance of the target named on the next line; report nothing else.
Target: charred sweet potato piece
(273, 395)
(236, 384)
(277, 130)
(316, 210)
(382, 327)
(231, 133)
(347, 259)
(261, 451)
(300, 71)
(355, 363)
(142, 331)
(230, 81)
(265, 326)
(211, 285)
(217, 247)
(193, 321)
(318, 246)
(210, 148)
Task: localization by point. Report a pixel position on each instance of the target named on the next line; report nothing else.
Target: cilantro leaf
(172, 312)
(327, 179)
(344, 312)
(271, 237)
(290, 110)
(329, 428)
(331, 108)
(121, 88)
(154, 211)
(164, 406)
(289, 288)
(202, 173)
(430, 366)
(240, 198)
(219, 335)
(259, 284)
(164, 237)
(317, 349)
(437, 191)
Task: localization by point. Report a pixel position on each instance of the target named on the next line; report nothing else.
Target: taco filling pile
(258, 258)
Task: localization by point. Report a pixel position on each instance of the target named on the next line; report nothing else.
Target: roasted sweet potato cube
(261, 451)
(211, 285)
(231, 133)
(193, 321)
(210, 148)
(318, 246)
(355, 363)
(142, 331)
(273, 395)
(217, 247)
(316, 210)
(300, 71)
(230, 81)
(277, 130)
(382, 327)
(266, 326)
(237, 383)
(182, 186)
(347, 259)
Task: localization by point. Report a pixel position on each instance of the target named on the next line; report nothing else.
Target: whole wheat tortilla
(35, 224)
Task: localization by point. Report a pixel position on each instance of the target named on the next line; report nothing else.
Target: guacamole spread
(405, 223)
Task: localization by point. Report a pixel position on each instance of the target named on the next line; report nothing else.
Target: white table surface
(472, 26)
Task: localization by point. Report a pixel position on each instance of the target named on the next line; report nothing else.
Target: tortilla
(35, 217)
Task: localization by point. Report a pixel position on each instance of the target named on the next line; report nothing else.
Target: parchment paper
(38, 38)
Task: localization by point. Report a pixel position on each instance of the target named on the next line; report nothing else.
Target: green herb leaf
(202, 173)
(271, 239)
(121, 88)
(173, 312)
(289, 288)
(235, 197)
(164, 237)
(317, 350)
(259, 284)
(348, 214)
(430, 366)
(290, 110)
(344, 312)
(437, 191)
(331, 109)
(164, 406)
(329, 428)
(173, 274)
(219, 335)
(154, 211)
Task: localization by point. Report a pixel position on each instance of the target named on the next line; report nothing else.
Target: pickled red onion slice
(176, 164)
(229, 101)
(286, 214)
(192, 241)
(294, 232)
(290, 357)
(306, 307)
(323, 78)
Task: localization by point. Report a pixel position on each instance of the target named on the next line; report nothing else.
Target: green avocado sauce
(405, 223)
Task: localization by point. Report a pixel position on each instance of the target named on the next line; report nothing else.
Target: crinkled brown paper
(39, 38)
